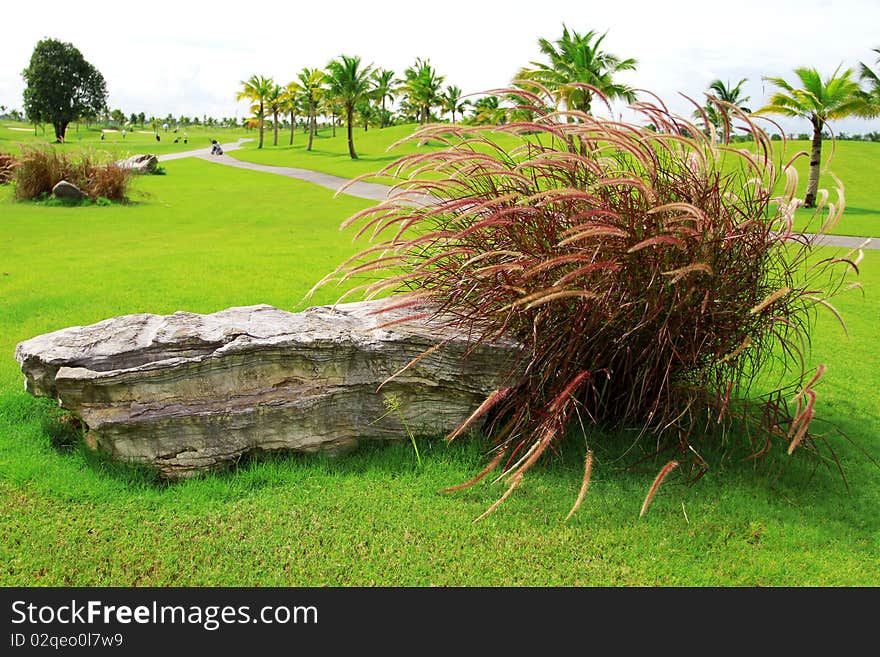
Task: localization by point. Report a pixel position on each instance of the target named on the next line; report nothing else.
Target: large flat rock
(186, 393)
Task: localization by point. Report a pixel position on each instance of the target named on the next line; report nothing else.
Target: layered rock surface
(140, 164)
(185, 393)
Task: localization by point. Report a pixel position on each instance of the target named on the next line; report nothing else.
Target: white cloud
(188, 59)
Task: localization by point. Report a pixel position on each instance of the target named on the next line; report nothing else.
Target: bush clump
(7, 167)
(650, 274)
(40, 168)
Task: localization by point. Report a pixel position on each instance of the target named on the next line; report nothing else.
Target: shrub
(7, 167)
(41, 167)
(649, 275)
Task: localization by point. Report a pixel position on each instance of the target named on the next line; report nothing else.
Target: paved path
(377, 192)
(371, 191)
(202, 151)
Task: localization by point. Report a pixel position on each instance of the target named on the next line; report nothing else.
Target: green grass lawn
(205, 237)
(329, 154)
(853, 162)
(140, 140)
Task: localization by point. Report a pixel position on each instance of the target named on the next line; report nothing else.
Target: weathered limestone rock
(67, 191)
(141, 164)
(185, 392)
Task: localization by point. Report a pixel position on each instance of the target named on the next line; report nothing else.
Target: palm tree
(818, 101)
(290, 103)
(451, 101)
(312, 82)
(348, 82)
(384, 88)
(367, 114)
(423, 86)
(727, 94)
(577, 59)
(488, 110)
(256, 89)
(873, 80)
(275, 104)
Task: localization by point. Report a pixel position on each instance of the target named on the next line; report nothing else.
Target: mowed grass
(329, 154)
(205, 237)
(13, 136)
(854, 163)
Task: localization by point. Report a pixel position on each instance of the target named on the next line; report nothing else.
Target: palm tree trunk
(333, 123)
(275, 127)
(292, 126)
(382, 116)
(349, 116)
(815, 160)
(261, 126)
(313, 123)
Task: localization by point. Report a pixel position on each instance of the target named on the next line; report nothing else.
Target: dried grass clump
(7, 167)
(650, 273)
(40, 168)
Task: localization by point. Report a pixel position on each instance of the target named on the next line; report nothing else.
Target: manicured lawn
(330, 154)
(139, 140)
(855, 163)
(205, 237)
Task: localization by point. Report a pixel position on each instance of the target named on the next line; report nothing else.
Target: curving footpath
(377, 192)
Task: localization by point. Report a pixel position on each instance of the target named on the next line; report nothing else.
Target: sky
(187, 58)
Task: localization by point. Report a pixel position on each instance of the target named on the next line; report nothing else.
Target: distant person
(158, 138)
(216, 149)
(176, 140)
(102, 136)
(123, 133)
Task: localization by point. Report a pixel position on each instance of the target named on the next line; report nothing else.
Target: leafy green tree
(575, 60)
(349, 83)
(61, 86)
(311, 81)
(256, 89)
(423, 84)
(141, 117)
(818, 101)
(385, 87)
(117, 117)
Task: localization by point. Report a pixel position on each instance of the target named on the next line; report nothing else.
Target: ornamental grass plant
(41, 167)
(7, 167)
(649, 269)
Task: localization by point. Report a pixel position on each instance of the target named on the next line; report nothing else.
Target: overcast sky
(161, 56)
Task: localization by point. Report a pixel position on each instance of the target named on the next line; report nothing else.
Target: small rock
(68, 192)
(140, 163)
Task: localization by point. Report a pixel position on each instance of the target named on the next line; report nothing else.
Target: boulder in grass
(141, 164)
(67, 191)
(186, 393)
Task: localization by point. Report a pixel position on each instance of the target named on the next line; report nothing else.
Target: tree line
(352, 92)
(63, 87)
